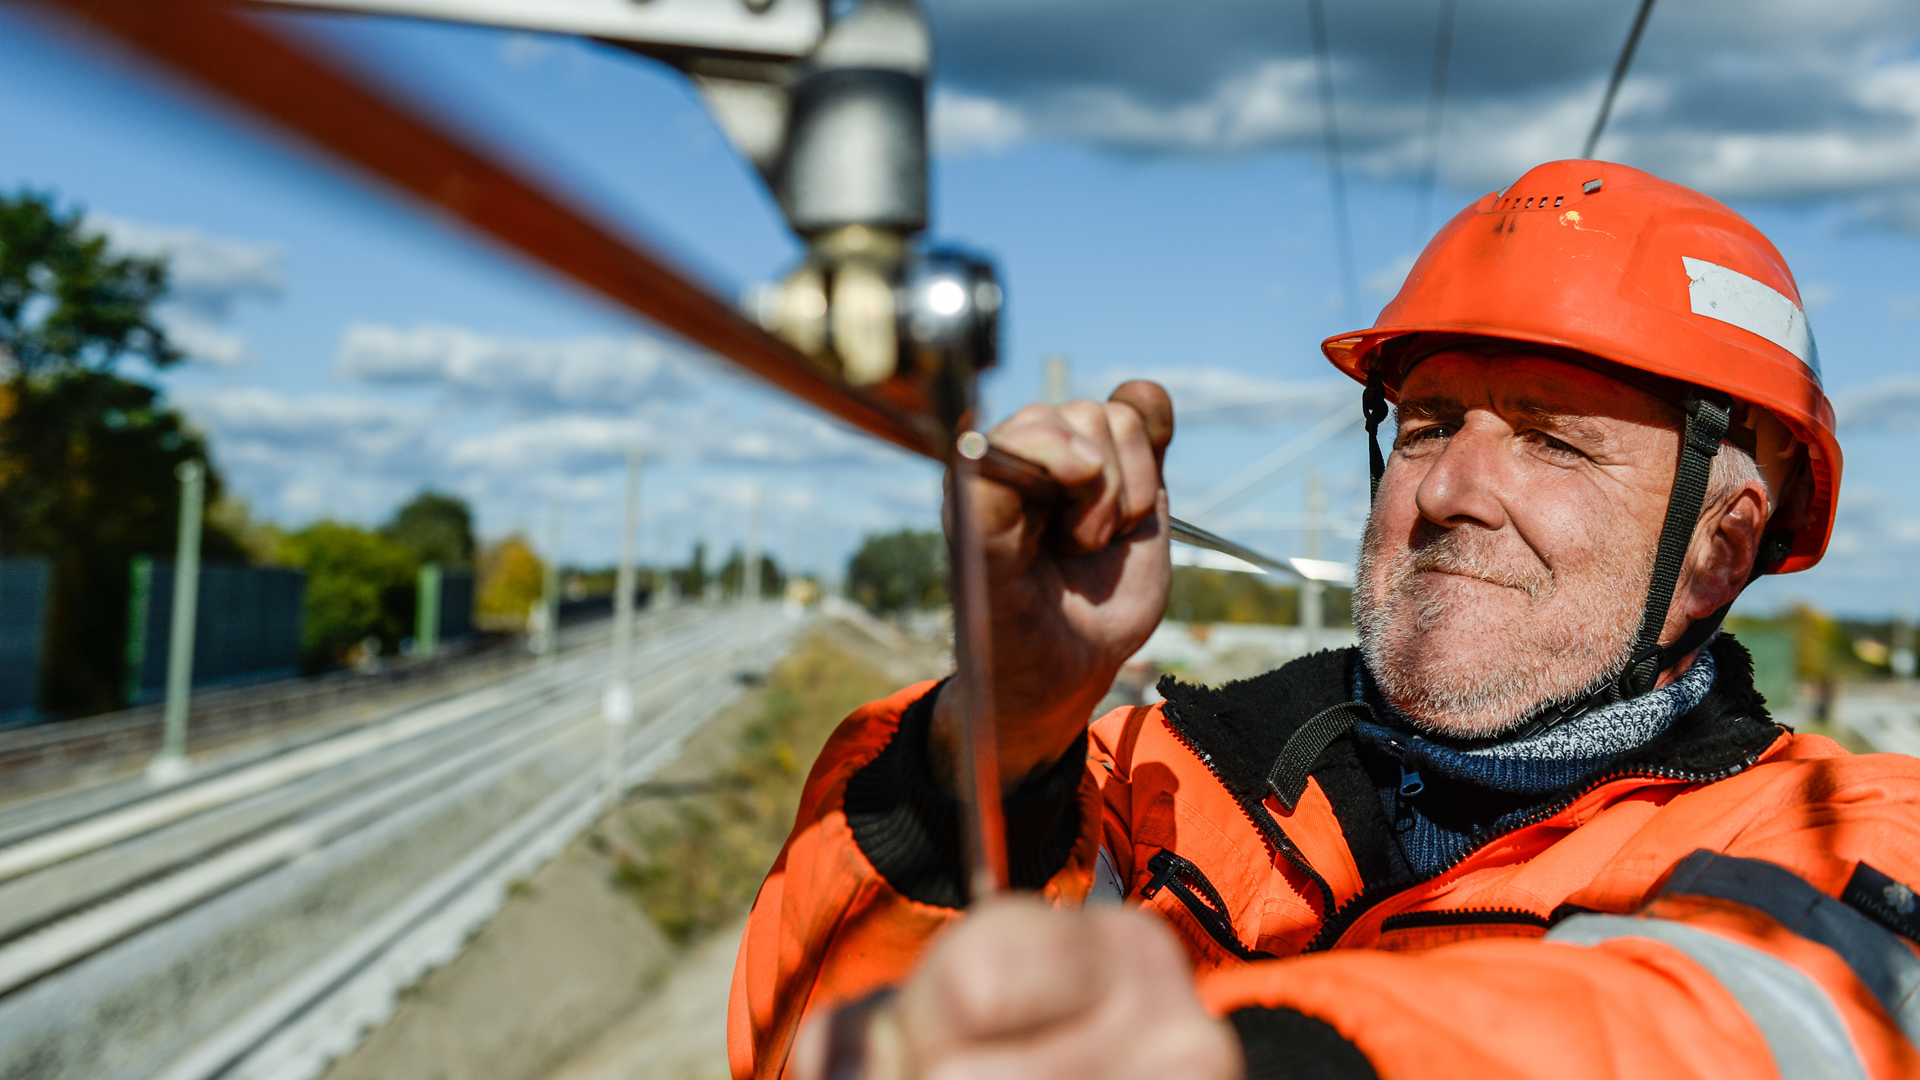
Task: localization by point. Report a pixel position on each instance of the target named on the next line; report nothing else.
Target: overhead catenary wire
(1436, 115)
(1620, 67)
(1336, 170)
(1304, 450)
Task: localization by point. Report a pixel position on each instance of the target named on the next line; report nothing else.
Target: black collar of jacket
(1240, 728)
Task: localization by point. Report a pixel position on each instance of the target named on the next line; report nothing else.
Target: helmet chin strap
(1708, 414)
(1373, 406)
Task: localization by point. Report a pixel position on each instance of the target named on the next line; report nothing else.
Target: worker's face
(1507, 559)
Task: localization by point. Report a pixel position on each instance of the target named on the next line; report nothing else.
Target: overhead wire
(1336, 170)
(1436, 114)
(1620, 67)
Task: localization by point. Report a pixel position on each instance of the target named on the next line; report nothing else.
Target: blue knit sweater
(1508, 780)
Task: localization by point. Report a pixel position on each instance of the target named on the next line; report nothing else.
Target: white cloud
(206, 276)
(961, 123)
(525, 374)
(521, 423)
(204, 271)
(1771, 99)
(709, 434)
(1888, 405)
(202, 339)
(264, 425)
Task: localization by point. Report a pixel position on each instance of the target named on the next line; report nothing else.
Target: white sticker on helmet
(1732, 297)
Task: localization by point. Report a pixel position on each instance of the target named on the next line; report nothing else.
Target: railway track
(255, 922)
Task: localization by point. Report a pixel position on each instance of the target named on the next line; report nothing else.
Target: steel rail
(386, 771)
(300, 90)
(95, 925)
(297, 1029)
(49, 812)
(170, 805)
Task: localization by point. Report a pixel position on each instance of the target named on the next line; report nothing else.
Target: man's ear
(1721, 556)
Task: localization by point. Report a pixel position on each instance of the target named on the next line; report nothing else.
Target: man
(1539, 824)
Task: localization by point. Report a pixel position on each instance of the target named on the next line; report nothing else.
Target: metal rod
(984, 827)
(1195, 536)
(1033, 481)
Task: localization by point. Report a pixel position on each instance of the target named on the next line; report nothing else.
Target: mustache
(1469, 552)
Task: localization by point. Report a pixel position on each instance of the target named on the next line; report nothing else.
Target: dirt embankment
(614, 960)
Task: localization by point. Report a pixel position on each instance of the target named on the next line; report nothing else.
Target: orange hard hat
(1618, 264)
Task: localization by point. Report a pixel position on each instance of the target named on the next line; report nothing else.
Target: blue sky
(1152, 192)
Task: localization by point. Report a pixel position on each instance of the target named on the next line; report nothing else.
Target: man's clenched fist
(1021, 991)
(1079, 578)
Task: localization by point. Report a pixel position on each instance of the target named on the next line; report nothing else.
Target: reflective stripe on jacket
(1730, 900)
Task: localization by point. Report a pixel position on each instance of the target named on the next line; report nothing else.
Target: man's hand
(1019, 990)
(1077, 585)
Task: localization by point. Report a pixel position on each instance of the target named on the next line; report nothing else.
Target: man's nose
(1463, 484)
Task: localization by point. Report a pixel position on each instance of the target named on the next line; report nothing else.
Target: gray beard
(1531, 664)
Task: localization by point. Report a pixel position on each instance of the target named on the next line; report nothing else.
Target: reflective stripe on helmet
(1753, 306)
(1803, 1030)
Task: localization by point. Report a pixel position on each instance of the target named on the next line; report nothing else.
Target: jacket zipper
(1421, 920)
(1342, 920)
(1256, 811)
(1202, 900)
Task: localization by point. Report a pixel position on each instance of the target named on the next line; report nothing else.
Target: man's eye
(1436, 431)
(1555, 445)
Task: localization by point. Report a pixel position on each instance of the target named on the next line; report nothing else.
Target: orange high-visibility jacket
(1729, 900)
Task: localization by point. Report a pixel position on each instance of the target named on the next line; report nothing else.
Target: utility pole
(617, 706)
(426, 612)
(1312, 606)
(750, 579)
(1059, 381)
(670, 586)
(549, 643)
(171, 764)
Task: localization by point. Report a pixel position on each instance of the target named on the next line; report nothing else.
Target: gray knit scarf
(1538, 765)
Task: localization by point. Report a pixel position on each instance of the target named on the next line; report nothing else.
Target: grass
(694, 861)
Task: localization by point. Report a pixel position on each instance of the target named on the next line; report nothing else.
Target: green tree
(1222, 596)
(436, 527)
(360, 584)
(87, 457)
(899, 571)
(773, 581)
(693, 579)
